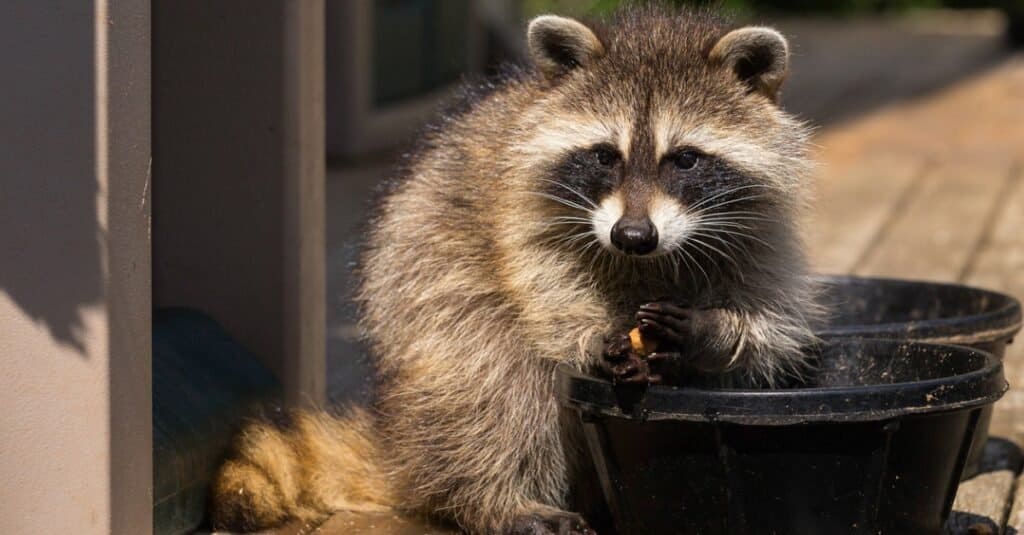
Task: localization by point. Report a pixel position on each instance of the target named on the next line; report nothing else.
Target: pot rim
(596, 397)
(1000, 323)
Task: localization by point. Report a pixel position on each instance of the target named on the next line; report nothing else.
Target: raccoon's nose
(635, 236)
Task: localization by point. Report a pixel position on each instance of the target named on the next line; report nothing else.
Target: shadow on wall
(48, 189)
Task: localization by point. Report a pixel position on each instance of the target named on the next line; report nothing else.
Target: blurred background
(389, 65)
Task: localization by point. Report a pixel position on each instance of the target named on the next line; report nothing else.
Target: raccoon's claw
(554, 524)
(666, 322)
(617, 349)
(707, 337)
(665, 364)
(634, 371)
(630, 370)
(623, 365)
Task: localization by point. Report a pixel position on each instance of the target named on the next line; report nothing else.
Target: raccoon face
(639, 205)
(666, 144)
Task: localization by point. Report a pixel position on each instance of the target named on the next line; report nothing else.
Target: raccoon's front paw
(560, 523)
(623, 365)
(705, 339)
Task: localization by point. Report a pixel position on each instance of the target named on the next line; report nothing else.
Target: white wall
(75, 429)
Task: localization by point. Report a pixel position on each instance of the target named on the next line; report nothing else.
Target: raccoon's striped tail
(317, 464)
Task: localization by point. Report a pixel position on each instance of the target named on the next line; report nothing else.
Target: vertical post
(305, 313)
(76, 429)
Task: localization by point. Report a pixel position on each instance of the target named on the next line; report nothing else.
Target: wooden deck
(933, 189)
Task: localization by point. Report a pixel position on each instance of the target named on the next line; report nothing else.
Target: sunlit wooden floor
(934, 189)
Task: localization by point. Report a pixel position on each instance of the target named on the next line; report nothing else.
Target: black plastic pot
(865, 307)
(875, 443)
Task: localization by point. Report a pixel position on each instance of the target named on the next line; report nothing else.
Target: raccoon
(640, 172)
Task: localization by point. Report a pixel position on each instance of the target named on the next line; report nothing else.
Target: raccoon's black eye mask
(709, 176)
(606, 155)
(588, 172)
(685, 159)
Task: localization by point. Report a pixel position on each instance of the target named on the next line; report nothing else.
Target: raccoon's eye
(686, 160)
(606, 156)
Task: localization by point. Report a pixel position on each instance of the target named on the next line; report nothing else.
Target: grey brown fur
(473, 288)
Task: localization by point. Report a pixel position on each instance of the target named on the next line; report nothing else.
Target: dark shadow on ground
(845, 68)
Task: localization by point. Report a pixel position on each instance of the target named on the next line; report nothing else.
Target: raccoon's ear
(758, 56)
(558, 45)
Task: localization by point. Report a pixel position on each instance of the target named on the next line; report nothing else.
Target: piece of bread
(640, 344)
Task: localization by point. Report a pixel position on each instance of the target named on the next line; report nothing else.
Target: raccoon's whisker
(743, 235)
(707, 255)
(686, 263)
(570, 218)
(675, 267)
(606, 263)
(577, 237)
(726, 192)
(725, 203)
(697, 264)
(706, 200)
(587, 249)
(675, 260)
(562, 201)
(727, 216)
(664, 267)
(573, 191)
(594, 262)
(715, 249)
(724, 223)
(564, 223)
(736, 212)
(567, 241)
(569, 223)
(737, 248)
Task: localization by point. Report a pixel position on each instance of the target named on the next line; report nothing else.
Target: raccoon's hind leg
(317, 464)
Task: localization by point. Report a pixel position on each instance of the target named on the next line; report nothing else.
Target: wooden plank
(999, 264)
(1007, 419)
(346, 522)
(382, 523)
(1015, 520)
(853, 204)
(297, 527)
(936, 234)
(983, 501)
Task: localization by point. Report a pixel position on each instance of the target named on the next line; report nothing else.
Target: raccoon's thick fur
(640, 161)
